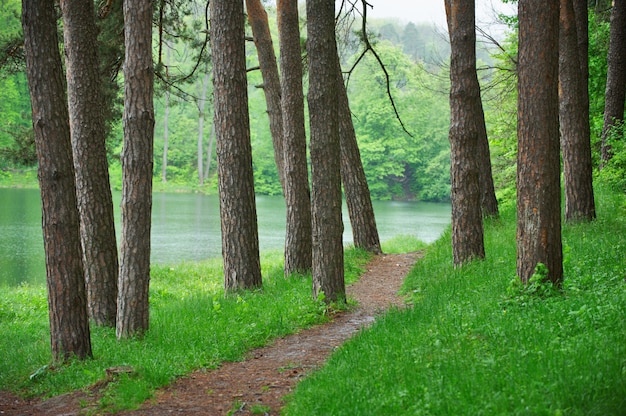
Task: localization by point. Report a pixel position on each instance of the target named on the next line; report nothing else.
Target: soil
(258, 384)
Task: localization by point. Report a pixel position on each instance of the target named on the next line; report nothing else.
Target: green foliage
(11, 54)
(598, 49)
(22, 178)
(398, 166)
(17, 144)
(538, 288)
(193, 326)
(465, 348)
(613, 173)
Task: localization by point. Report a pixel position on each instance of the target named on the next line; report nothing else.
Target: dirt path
(268, 373)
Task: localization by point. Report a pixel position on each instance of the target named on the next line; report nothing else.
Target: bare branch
(186, 77)
(495, 42)
(369, 48)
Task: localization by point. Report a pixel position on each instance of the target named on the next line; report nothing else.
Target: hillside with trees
(397, 165)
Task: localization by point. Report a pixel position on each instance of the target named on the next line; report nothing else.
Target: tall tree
(298, 239)
(166, 121)
(137, 167)
(358, 198)
(465, 111)
(166, 133)
(204, 86)
(240, 240)
(328, 273)
(538, 159)
(616, 76)
(67, 300)
(574, 121)
(488, 200)
(87, 128)
(581, 15)
(257, 16)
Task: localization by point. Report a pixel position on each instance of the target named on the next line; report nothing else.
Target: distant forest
(400, 165)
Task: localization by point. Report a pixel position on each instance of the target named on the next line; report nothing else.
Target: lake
(186, 227)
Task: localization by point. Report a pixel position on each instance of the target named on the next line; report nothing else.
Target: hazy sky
(431, 10)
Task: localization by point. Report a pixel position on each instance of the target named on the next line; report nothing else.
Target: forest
(520, 131)
(397, 165)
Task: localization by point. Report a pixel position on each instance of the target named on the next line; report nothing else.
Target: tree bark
(616, 78)
(166, 123)
(328, 273)
(298, 238)
(574, 121)
(137, 168)
(67, 300)
(358, 199)
(581, 15)
(257, 17)
(87, 128)
(538, 161)
(488, 200)
(209, 152)
(465, 112)
(240, 241)
(201, 106)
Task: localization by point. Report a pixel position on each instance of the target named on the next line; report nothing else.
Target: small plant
(237, 407)
(612, 171)
(259, 409)
(538, 287)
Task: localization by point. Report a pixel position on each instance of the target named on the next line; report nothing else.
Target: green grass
(402, 244)
(475, 344)
(192, 326)
(19, 178)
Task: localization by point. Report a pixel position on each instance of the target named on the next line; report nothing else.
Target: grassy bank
(14, 178)
(192, 326)
(475, 344)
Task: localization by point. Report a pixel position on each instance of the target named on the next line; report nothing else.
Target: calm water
(187, 227)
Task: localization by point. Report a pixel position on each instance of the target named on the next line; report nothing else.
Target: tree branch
(369, 48)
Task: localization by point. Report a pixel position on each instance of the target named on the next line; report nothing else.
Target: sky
(418, 11)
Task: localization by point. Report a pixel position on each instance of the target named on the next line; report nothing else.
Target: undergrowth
(192, 326)
(473, 343)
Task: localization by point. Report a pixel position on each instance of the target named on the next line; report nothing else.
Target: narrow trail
(268, 373)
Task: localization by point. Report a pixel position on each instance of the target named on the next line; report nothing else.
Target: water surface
(186, 227)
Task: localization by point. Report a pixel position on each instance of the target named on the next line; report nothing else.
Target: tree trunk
(538, 162)
(465, 112)
(209, 152)
(616, 77)
(581, 14)
(358, 199)
(574, 121)
(298, 239)
(328, 273)
(240, 241)
(95, 203)
(201, 107)
(488, 200)
(271, 82)
(137, 167)
(166, 123)
(67, 300)
(166, 144)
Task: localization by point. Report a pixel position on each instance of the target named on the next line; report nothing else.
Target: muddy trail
(266, 375)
